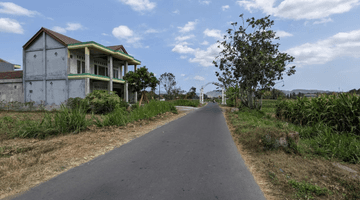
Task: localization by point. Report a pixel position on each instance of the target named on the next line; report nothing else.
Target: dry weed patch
(25, 163)
(283, 174)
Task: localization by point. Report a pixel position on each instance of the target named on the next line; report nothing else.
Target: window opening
(83, 67)
(79, 67)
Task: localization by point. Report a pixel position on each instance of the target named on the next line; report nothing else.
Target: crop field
(323, 163)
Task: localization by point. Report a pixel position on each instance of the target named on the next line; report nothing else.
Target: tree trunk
(145, 98)
(142, 96)
(250, 99)
(236, 98)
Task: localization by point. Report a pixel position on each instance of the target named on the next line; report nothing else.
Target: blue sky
(179, 36)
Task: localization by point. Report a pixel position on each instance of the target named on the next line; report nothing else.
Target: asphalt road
(193, 157)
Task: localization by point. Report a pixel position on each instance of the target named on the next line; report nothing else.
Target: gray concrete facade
(11, 90)
(6, 67)
(45, 71)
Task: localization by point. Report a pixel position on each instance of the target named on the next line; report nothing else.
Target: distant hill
(305, 91)
(216, 93)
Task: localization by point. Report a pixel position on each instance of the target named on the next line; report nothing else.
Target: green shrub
(134, 107)
(101, 102)
(120, 117)
(73, 103)
(183, 102)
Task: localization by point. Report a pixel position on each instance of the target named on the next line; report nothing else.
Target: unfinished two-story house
(57, 67)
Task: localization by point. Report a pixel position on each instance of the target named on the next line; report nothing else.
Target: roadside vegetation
(184, 102)
(304, 167)
(71, 118)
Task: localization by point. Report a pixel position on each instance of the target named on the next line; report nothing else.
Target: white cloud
(73, 26)
(104, 34)
(205, 43)
(225, 7)
(125, 33)
(69, 27)
(183, 57)
(182, 74)
(182, 48)
(13, 9)
(340, 45)
(199, 78)
(324, 20)
(122, 32)
(176, 11)
(59, 29)
(140, 5)
(205, 2)
(183, 38)
(283, 34)
(213, 33)
(10, 26)
(306, 9)
(151, 30)
(188, 27)
(206, 57)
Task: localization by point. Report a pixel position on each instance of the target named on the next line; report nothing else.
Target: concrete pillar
(126, 92)
(201, 95)
(121, 71)
(135, 68)
(110, 68)
(87, 70)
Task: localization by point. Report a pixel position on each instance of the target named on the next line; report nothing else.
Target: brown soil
(316, 171)
(26, 163)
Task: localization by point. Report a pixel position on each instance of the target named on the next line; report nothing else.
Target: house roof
(1, 60)
(63, 39)
(11, 75)
(70, 42)
(118, 48)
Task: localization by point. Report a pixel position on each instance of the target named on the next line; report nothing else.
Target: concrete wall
(11, 90)
(77, 88)
(45, 71)
(6, 67)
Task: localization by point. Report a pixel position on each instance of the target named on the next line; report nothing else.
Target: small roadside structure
(7, 67)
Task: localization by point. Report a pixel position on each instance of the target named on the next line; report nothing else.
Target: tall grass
(65, 121)
(121, 117)
(341, 113)
(183, 102)
(317, 134)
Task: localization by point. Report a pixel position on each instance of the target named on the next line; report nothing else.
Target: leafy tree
(176, 91)
(141, 79)
(191, 94)
(252, 60)
(168, 81)
(226, 80)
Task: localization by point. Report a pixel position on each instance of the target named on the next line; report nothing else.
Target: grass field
(298, 169)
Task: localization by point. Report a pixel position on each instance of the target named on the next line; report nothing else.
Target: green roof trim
(100, 76)
(92, 42)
